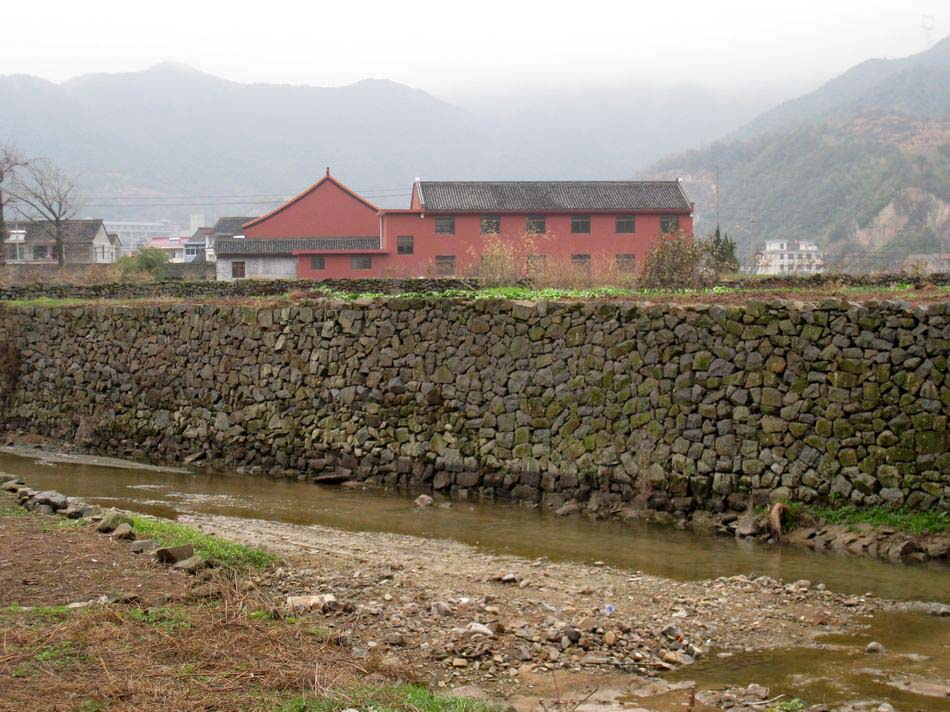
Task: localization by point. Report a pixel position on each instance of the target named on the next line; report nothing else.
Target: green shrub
(148, 260)
(677, 261)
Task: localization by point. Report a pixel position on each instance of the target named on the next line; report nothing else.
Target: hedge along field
(679, 408)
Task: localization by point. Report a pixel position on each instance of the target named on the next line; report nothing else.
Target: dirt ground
(537, 634)
(170, 641)
(559, 629)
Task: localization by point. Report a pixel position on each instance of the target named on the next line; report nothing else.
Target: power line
(191, 204)
(284, 195)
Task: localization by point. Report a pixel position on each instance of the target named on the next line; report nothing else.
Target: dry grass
(171, 642)
(75, 275)
(505, 262)
(209, 654)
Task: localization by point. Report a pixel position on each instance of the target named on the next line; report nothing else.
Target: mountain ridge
(865, 172)
(173, 130)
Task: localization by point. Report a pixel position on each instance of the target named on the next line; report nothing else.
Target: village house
(174, 247)
(452, 228)
(87, 242)
(781, 257)
(200, 246)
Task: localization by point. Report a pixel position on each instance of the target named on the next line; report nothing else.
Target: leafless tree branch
(10, 160)
(48, 198)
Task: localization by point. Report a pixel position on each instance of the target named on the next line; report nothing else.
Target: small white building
(174, 247)
(86, 242)
(789, 257)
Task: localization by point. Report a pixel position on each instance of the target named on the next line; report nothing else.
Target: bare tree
(10, 160)
(48, 198)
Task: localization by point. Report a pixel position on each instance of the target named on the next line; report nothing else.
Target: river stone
(174, 554)
(675, 657)
(440, 608)
(423, 500)
(52, 498)
(747, 525)
(143, 546)
(123, 531)
(191, 565)
(110, 521)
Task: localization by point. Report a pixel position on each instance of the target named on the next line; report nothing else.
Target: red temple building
(455, 228)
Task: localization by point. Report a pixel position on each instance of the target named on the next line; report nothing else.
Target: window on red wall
(626, 224)
(535, 225)
(361, 262)
(405, 245)
(491, 224)
(444, 224)
(318, 262)
(581, 264)
(536, 265)
(626, 263)
(580, 224)
(669, 224)
(444, 265)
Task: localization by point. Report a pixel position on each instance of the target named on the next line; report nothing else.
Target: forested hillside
(868, 175)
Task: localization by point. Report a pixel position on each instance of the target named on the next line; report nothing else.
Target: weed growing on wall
(9, 368)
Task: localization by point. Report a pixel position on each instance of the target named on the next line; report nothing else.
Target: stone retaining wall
(675, 408)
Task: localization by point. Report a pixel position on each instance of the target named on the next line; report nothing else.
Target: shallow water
(500, 528)
(917, 649)
(918, 646)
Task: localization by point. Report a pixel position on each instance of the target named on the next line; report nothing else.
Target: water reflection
(499, 528)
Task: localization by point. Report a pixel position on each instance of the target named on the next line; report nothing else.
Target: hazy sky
(448, 47)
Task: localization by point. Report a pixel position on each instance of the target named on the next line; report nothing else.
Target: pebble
(874, 647)
(440, 608)
(474, 628)
(423, 500)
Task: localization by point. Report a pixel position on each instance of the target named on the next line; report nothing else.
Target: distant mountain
(862, 165)
(174, 131)
(911, 85)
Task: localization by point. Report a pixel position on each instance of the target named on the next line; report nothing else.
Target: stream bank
(517, 627)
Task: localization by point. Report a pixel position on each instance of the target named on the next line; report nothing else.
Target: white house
(789, 257)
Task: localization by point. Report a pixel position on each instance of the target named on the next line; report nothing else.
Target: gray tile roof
(287, 246)
(78, 232)
(544, 196)
(230, 226)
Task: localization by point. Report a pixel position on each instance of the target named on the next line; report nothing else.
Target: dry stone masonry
(673, 408)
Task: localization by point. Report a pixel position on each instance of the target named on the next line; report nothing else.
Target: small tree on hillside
(722, 249)
(48, 198)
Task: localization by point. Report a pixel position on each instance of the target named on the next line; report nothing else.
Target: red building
(456, 228)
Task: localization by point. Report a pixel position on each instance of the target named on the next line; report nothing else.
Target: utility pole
(718, 222)
(927, 23)
(9, 161)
